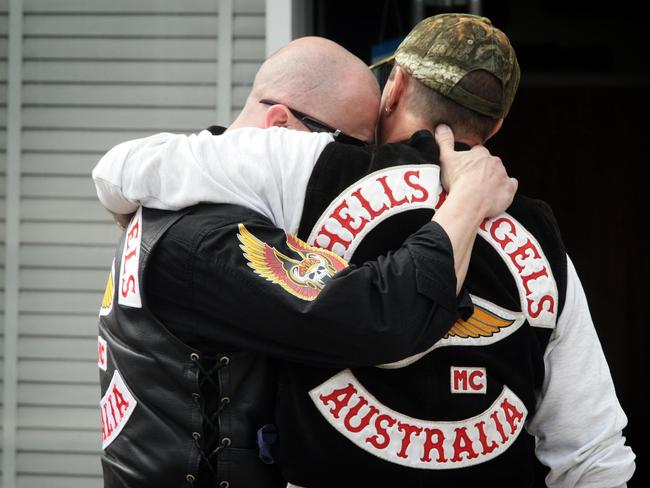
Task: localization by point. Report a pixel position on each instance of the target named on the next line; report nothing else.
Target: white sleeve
(266, 170)
(579, 421)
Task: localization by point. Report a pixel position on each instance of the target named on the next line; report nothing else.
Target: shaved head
(319, 77)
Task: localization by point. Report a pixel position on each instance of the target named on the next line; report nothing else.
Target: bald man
(199, 300)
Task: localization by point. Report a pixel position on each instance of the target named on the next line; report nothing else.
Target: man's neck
(408, 125)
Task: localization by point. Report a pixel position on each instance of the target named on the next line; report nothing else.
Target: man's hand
(480, 178)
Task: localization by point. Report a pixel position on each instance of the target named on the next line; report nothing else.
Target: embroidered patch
(531, 270)
(488, 324)
(373, 199)
(102, 353)
(116, 407)
(129, 291)
(107, 300)
(468, 380)
(416, 443)
(304, 277)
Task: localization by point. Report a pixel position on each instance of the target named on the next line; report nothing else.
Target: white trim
(12, 240)
(279, 24)
(224, 62)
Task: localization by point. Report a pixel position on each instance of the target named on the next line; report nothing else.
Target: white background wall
(86, 75)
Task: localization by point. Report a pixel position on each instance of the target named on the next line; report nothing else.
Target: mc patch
(304, 277)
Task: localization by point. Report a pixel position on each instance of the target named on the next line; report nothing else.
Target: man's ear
(276, 116)
(495, 128)
(395, 89)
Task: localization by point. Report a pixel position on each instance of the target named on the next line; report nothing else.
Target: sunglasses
(315, 125)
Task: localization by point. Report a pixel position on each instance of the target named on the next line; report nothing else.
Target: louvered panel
(59, 348)
(57, 394)
(156, 119)
(116, 25)
(94, 73)
(57, 186)
(84, 210)
(63, 418)
(66, 441)
(54, 463)
(183, 50)
(121, 6)
(71, 141)
(60, 324)
(250, 32)
(149, 72)
(62, 279)
(104, 95)
(48, 254)
(77, 163)
(71, 371)
(74, 234)
(60, 302)
(34, 481)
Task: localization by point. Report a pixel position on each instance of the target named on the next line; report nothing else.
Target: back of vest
(154, 398)
(454, 414)
(147, 376)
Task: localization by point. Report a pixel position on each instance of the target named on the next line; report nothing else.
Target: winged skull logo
(304, 277)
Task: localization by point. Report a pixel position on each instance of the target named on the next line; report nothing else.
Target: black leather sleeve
(378, 312)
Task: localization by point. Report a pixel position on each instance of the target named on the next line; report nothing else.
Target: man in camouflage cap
(441, 50)
(522, 375)
(488, 398)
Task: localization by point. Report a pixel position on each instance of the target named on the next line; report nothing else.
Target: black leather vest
(170, 417)
(455, 416)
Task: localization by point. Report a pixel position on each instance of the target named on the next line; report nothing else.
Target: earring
(388, 110)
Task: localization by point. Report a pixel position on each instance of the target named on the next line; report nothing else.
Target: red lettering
(408, 430)
(499, 427)
(531, 277)
(354, 411)
(460, 376)
(340, 398)
(125, 285)
(522, 252)
(333, 239)
(133, 233)
(381, 431)
(107, 428)
(484, 224)
(389, 193)
(110, 404)
(512, 414)
(429, 445)
(462, 444)
(100, 352)
(506, 239)
(366, 204)
(545, 299)
(120, 403)
(482, 437)
(347, 220)
(473, 382)
(424, 193)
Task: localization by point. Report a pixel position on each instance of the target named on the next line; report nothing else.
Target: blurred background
(79, 76)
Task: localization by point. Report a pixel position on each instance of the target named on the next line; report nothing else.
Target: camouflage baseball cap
(441, 50)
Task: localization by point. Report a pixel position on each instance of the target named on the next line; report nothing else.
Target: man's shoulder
(207, 219)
